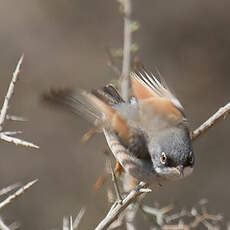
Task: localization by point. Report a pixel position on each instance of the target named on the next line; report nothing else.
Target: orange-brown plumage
(112, 117)
(139, 91)
(160, 102)
(163, 107)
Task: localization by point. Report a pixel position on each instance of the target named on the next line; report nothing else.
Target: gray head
(172, 153)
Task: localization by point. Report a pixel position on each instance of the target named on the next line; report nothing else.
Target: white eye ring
(163, 158)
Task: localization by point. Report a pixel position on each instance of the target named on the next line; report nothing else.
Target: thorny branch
(10, 92)
(126, 49)
(18, 193)
(3, 115)
(117, 207)
(69, 224)
(114, 180)
(195, 223)
(9, 188)
(3, 226)
(125, 83)
(78, 218)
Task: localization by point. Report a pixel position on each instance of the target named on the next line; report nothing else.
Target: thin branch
(65, 225)
(118, 224)
(130, 216)
(158, 213)
(17, 141)
(114, 180)
(18, 193)
(175, 216)
(125, 84)
(15, 118)
(79, 217)
(15, 225)
(11, 133)
(10, 93)
(71, 223)
(126, 49)
(117, 208)
(195, 223)
(9, 188)
(222, 113)
(6, 136)
(3, 226)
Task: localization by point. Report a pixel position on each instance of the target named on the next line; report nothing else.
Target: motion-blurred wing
(101, 108)
(92, 108)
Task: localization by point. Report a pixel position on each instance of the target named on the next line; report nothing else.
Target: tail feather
(73, 101)
(95, 107)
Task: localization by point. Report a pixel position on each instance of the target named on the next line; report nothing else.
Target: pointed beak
(180, 169)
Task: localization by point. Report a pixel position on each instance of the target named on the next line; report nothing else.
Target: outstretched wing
(156, 96)
(101, 108)
(91, 107)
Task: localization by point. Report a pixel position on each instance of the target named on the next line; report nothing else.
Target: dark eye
(190, 158)
(163, 158)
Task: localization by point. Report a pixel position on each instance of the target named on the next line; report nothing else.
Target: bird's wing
(90, 107)
(156, 98)
(100, 107)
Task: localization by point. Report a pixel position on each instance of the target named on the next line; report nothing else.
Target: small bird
(148, 136)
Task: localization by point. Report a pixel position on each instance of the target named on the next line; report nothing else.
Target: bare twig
(10, 92)
(12, 133)
(118, 223)
(126, 50)
(15, 225)
(15, 118)
(17, 141)
(114, 179)
(65, 225)
(3, 226)
(130, 216)
(78, 219)
(3, 115)
(195, 223)
(125, 84)
(158, 213)
(117, 208)
(18, 193)
(222, 113)
(175, 216)
(9, 188)
(71, 223)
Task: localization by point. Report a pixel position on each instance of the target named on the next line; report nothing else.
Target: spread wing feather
(156, 96)
(157, 88)
(99, 107)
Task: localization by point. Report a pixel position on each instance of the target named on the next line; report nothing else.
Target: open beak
(180, 169)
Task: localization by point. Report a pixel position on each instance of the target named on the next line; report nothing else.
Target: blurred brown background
(64, 44)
